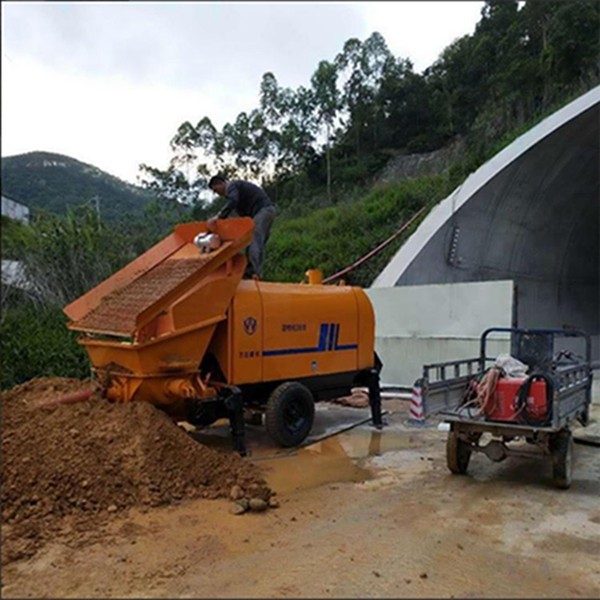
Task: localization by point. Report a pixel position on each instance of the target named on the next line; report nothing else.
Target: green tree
(247, 144)
(327, 104)
(367, 105)
(356, 96)
(64, 257)
(173, 184)
(298, 131)
(364, 66)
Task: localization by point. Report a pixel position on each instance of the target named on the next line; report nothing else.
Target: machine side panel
(219, 347)
(366, 330)
(247, 322)
(211, 297)
(309, 330)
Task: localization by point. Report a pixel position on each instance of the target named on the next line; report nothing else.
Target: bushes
(331, 238)
(35, 342)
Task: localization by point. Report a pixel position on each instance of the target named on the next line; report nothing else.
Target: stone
(244, 502)
(237, 509)
(258, 505)
(273, 503)
(236, 493)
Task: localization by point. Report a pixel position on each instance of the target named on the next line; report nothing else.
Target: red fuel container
(504, 406)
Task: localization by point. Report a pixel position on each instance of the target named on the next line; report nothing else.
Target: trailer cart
(475, 398)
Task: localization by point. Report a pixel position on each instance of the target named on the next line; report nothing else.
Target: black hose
(523, 394)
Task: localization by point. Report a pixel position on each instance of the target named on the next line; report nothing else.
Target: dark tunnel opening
(537, 222)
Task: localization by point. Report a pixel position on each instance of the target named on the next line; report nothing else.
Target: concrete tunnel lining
(530, 214)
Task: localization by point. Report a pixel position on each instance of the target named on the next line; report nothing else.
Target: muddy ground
(362, 514)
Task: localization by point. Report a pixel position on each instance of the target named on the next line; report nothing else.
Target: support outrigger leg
(375, 397)
(235, 410)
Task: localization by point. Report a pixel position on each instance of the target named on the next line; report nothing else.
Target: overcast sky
(108, 83)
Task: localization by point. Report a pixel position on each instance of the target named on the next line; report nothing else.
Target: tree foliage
(365, 102)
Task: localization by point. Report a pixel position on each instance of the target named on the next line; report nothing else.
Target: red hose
(486, 389)
(372, 253)
(68, 399)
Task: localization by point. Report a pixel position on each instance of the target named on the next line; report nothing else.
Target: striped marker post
(417, 410)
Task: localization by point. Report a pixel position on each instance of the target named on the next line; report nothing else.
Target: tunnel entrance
(531, 215)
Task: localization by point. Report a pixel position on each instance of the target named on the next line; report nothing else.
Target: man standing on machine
(248, 200)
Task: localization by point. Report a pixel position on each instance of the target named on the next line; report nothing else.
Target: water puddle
(364, 442)
(336, 459)
(336, 452)
(315, 465)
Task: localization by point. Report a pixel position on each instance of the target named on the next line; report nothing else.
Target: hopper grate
(118, 311)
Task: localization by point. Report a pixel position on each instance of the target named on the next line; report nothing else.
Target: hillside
(53, 182)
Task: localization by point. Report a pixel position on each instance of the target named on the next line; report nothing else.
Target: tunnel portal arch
(530, 214)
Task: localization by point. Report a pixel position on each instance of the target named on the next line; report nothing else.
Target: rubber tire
(289, 401)
(562, 459)
(458, 454)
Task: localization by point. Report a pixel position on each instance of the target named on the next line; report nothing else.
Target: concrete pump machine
(179, 327)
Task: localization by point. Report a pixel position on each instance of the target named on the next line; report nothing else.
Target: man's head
(218, 184)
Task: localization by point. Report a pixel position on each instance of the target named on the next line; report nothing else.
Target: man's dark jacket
(245, 198)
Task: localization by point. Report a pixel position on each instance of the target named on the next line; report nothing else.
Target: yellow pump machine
(180, 328)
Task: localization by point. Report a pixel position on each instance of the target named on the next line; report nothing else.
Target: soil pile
(90, 460)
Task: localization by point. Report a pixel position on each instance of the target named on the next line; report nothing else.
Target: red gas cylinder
(505, 405)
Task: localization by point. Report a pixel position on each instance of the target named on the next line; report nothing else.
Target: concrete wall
(421, 324)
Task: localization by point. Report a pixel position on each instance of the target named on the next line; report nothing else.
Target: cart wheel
(584, 417)
(562, 459)
(290, 413)
(458, 454)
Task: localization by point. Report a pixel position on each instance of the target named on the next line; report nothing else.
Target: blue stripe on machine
(332, 328)
(346, 347)
(343, 346)
(322, 337)
(290, 351)
(328, 340)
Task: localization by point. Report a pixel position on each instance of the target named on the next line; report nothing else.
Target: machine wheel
(562, 459)
(290, 413)
(458, 454)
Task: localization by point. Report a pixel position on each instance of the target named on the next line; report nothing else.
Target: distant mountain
(53, 182)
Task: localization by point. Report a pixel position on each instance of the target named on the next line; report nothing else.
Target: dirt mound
(93, 459)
